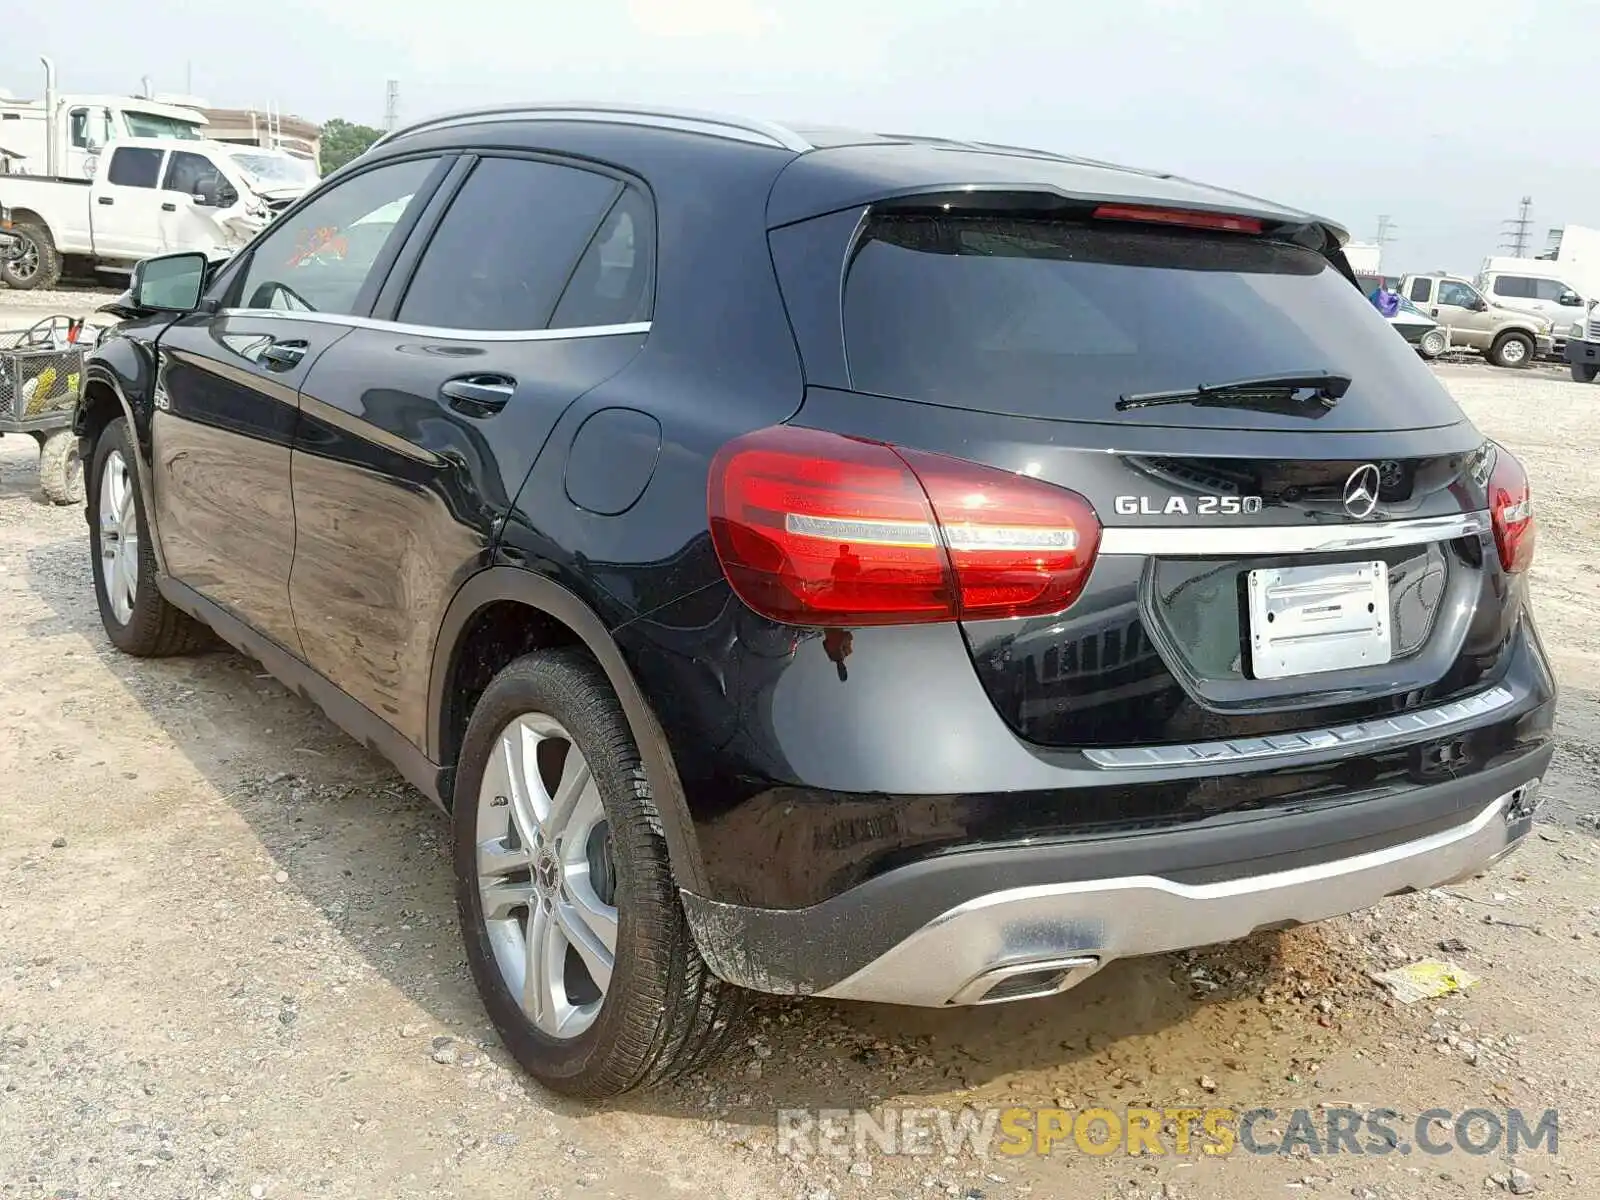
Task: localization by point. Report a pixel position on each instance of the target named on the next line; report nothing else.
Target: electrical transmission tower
(391, 107)
(1386, 228)
(1519, 229)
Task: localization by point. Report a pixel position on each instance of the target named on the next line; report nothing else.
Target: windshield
(1058, 318)
(152, 125)
(272, 169)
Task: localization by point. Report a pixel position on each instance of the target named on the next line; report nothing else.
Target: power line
(1518, 229)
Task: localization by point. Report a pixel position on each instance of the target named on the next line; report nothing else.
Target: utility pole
(1517, 230)
(1386, 228)
(391, 107)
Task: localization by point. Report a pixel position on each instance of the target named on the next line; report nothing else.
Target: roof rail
(762, 133)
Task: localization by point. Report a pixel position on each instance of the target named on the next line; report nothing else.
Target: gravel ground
(229, 967)
(18, 310)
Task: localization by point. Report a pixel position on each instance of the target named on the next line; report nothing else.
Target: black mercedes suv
(867, 566)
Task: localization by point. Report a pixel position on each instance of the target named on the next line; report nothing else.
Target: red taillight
(1227, 222)
(1511, 509)
(816, 528)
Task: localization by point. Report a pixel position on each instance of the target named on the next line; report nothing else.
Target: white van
(1549, 296)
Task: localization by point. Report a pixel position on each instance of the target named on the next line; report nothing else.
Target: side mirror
(208, 193)
(1479, 304)
(1570, 300)
(169, 283)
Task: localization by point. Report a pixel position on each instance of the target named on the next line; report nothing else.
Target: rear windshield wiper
(1309, 395)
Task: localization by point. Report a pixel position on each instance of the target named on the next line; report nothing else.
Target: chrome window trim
(1198, 541)
(459, 335)
(1360, 737)
(733, 128)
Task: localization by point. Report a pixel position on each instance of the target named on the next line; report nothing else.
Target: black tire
(664, 1013)
(1512, 359)
(154, 628)
(61, 468)
(38, 265)
(1584, 372)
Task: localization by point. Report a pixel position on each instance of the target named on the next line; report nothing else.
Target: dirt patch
(229, 965)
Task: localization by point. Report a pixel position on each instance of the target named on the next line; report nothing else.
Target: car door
(523, 289)
(127, 212)
(185, 220)
(88, 131)
(1559, 301)
(1457, 305)
(227, 392)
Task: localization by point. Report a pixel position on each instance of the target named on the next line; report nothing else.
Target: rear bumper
(984, 925)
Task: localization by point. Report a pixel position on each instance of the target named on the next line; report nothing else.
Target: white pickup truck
(150, 196)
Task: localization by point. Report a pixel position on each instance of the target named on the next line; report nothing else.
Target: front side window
(507, 246)
(190, 173)
(319, 259)
(1458, 294)
(134, 166)
(1550, 289)
(90, 128)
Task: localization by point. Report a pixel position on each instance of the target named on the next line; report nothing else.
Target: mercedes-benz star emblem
(1361, 491)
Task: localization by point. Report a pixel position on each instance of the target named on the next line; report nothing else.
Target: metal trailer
(41, 377)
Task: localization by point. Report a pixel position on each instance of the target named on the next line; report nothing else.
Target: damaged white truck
(148, 196)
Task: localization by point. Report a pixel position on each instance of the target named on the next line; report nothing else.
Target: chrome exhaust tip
(1026, 980)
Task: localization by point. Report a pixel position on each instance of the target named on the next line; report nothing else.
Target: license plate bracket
(1315, 619)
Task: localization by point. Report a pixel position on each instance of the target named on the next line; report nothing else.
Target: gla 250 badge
(1183, 506)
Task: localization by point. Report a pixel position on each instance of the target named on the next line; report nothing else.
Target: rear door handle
(281, 356)
(169, 206)
(478, 395)
(105, 200)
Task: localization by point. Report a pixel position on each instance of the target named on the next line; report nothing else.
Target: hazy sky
(1440, 114)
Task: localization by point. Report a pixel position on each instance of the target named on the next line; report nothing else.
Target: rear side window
(615, 279)
(1420, 290)
(134, 166)
(1515, 287)
(1062, 318)
(507, 246)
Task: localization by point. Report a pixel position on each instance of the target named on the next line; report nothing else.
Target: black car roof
(831, 168)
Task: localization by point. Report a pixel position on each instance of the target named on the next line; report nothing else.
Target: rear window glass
(1060, 318)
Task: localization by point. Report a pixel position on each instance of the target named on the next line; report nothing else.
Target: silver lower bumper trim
(1362, 737)
(1005, 934)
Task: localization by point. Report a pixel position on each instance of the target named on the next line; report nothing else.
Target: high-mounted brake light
(1226, 222)
(816, 528)
(1511, 511)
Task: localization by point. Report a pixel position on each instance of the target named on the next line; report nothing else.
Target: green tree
(343, 141)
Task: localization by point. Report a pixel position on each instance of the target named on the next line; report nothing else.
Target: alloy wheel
(25, 264)
(118, 536)
(546, 876)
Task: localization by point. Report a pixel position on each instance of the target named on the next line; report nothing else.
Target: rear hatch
(1309, 549)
